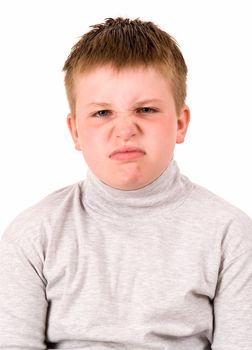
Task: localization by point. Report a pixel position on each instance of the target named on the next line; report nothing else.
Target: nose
(125, 127)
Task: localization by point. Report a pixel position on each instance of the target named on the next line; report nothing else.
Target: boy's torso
(142, 282)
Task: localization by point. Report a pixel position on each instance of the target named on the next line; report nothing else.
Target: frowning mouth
(127, 153)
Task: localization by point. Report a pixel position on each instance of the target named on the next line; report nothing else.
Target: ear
(73, 131)
(182, 124)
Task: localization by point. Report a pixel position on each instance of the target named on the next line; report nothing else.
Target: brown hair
(126, 43)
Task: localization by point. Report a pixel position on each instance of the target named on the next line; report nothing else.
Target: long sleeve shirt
(164, 267)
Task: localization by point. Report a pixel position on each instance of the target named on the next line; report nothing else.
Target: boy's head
(126, 84)
(123, 43)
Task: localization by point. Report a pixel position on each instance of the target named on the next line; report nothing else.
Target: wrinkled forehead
(103, 76)
(110, 70)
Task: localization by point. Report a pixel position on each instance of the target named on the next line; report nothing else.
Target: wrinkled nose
(125, 128)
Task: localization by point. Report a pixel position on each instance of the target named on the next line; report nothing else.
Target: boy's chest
(158, 274)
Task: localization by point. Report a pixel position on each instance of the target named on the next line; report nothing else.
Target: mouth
(127, 153)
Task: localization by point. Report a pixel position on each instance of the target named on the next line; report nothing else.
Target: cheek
(92, 143)
(170, 130)
(164, 134)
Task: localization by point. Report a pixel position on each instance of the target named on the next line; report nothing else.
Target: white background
(37, 154)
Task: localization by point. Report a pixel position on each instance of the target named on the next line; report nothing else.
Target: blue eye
(102, 113)
(146, 110)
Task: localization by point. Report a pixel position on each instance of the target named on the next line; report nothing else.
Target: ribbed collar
(165, 193)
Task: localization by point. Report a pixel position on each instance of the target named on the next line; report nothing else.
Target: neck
(164, 193)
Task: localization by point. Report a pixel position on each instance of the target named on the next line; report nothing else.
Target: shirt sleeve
(23, 304)
(233, 298)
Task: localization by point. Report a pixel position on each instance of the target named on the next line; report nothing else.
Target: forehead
(133, 82)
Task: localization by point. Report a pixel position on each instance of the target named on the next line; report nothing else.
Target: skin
(132, 107)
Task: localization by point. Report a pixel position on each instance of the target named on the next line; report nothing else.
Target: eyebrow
(137, 103)
(99, 104)
(148, 101)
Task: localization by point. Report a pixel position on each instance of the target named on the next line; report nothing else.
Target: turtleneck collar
(166, 192)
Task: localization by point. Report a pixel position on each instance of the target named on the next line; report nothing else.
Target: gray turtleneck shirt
(164, 267)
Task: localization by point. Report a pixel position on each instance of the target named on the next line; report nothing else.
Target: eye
(146, 110)
(102, 113)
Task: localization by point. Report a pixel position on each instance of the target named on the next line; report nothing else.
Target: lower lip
(127, 155)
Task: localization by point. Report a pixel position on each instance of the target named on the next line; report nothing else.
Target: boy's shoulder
(212, 211)
(207, 201)
(43, 213)
(231, 224)
(217, 217)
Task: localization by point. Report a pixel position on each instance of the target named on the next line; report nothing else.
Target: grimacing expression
(126, 124)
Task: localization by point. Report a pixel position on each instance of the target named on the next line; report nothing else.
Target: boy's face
(132, 108)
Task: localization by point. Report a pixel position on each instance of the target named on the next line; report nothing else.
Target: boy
(136, 256)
